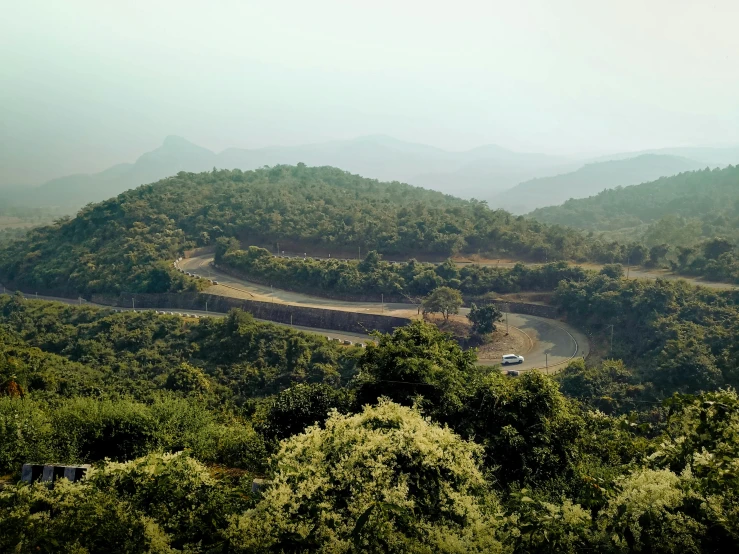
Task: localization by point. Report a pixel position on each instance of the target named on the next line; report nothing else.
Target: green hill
(126, 243)
(591, 179)
(712, 196)
(695, 213)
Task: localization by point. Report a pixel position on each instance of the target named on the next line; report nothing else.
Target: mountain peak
(175, 141)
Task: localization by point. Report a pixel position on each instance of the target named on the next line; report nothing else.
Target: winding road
(551, 343)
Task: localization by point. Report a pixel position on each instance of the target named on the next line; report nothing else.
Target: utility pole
(506, 323)
(206, 306)
(133, 303)
(611, 339)
(291, 320)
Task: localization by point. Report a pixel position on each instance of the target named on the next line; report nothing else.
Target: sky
(85, 84)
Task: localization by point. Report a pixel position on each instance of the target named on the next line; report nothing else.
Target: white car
(512, 359)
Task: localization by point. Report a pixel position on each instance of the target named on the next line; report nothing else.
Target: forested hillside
(126, 243)
(692, 217)
(671, 336)
(179, 417)
(709, 196)
(591, 179)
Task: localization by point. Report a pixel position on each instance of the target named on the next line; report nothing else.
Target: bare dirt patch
(457, 325)
(515, 342)
(498, 344)
(544, 298)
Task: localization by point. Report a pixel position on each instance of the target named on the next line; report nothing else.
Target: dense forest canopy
(671, 336)
(125, 243)
(179, 417)
(708, 200)
(693, 217)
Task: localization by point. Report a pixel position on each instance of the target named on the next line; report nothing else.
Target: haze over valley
(517, 182)
(395, 277)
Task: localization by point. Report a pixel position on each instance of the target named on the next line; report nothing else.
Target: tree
(189, 379)
(447, 270)
(301, 406)
(382, 481)
(527, 426)
(684, 254)
(647, 515)
(371, 261)
(713, 248)
(637, 254)
(444, 300)
(657, 253)
(614, 271)
(223, 245)
(417, 364)
(484, 318)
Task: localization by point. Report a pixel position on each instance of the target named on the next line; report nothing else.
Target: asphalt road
(632, 272)
(328, 333)
(552, 343)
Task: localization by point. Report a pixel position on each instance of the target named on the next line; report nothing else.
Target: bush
(86, 429)
(73, 518)
(174, 490)
(25, 434)
(240, 446)
(300, 406)
(385, 480)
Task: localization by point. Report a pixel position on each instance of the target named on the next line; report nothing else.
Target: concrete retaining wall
(49, 473)
(540, 310)
(337, 320)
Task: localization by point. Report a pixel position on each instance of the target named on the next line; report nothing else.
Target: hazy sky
(85, 84)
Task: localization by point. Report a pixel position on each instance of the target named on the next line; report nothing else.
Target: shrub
(385, 480)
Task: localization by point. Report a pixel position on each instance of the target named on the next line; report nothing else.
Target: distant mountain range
(480, 172)
(708, 155)
(591, 179)
(487, 173)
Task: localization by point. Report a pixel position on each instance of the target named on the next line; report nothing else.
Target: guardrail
(49, 473)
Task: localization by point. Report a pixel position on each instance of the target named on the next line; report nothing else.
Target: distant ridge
(517, 181)
(480, 172)
(591, 179)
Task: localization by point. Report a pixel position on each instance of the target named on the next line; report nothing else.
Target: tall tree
(484, 318)
(443, 300)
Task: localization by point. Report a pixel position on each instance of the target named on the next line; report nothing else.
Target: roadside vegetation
(406, 446)
(397, 281)
(660, 337)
